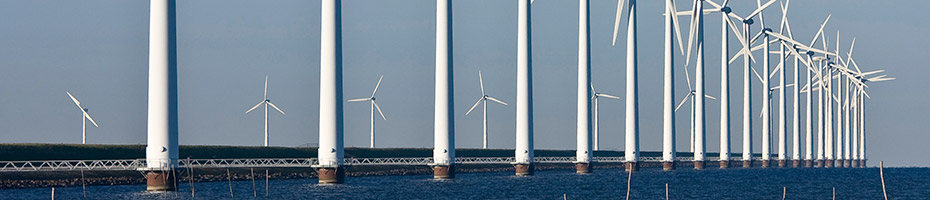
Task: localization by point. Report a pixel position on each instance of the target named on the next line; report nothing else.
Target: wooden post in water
(629, 178)
(784, 192)
(266, 182)
(53, 193)
(174, 175)
(83, 185)
(229, 180)
(254, 192)
(834, 193)
(666, 191)
(881, 172)
(190, 175)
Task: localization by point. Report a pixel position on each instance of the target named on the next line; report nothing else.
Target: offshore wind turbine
(631, 152)
(596, 98)
(668, 102)
(84, 118)
(266, 102)
(374, 105)
(482, 100)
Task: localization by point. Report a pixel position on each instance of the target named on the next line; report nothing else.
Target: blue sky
(97, 49)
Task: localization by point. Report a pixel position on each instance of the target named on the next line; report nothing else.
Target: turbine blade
(377, 86)
(608, 96)
(254, 107)
(360, 99)
(687, 77)
(276, 108)
(617, 22)
(759, 10)
(481, 82)
(710, 97)
(266, 87)
(675, 23)
(76, 102)
(683, 100)
(474, 106)
(820, 31)
(691, 31)
(91, 119)
(379, 109)
(757, 74)
(849, 55)
(497, 100)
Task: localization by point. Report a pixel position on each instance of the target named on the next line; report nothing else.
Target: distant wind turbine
(596, 98)
(267, 102)
(484, 99)
(374, 105)
(84, 118)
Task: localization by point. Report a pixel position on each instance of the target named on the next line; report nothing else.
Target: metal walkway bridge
(136, 164)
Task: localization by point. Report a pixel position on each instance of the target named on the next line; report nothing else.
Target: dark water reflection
(903, 183)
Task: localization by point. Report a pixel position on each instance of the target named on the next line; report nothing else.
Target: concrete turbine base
(808, 163)
(765, 163)
(795, 163)
(839, 163)
(331, 175)
(524, 169)
(698, 164)
(855, 163)
(631, 166)
(782, 163)
(668, 165)
(847, 163)
(161, 181)
(724, 164)
(747, 163)
(820, 164)
(583, 168)
(863, 164)
(443, 171)
(828, 163)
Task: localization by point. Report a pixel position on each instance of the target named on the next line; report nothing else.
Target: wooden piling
(266, 182)
(191, 176)
(83, 185)
(254, 192)
(881, 172)
(629, 179)
(784, 193)
(53, 193)
(229, 180)
(666, 191)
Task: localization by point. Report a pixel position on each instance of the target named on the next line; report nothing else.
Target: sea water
(735, 183)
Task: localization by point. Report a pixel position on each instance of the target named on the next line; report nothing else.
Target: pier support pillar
(724, 164)
(782, 163)
(699, 165)
(795, 163)
(331, 175)
(668, 166)
(161, 181)
(443, 171)
(631, 166)
(765, 163)
(524, 169)
(747, 163)
(828, 163)
(583, 168)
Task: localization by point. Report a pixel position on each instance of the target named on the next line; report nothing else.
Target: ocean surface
(902, 183)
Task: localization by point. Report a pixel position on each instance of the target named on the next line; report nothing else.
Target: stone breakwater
(10, 180)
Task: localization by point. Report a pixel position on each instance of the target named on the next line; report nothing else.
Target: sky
(98, 50)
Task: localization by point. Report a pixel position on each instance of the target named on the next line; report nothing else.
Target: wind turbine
(482, 100)
(596, 98)
(266, 102)
(374, 105)
(84, 118)
(631, 153)
(691, 96)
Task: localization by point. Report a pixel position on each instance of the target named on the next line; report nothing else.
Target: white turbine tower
(482, 100)
(631, 152)
(596, 98)
(374, 106)
(443, 111)
(266, 102)
(84, 118)
(668, 102)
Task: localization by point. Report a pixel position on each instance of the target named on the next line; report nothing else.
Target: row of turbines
(839, 82)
